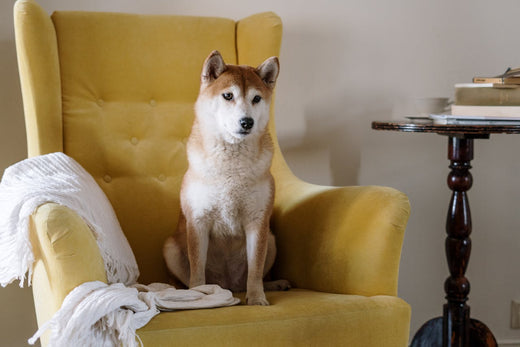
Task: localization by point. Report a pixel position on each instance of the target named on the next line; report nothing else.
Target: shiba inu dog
(227, 193)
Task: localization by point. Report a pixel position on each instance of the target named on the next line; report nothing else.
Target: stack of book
(488, 100)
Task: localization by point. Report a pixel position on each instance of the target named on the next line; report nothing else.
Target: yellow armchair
(116, 93)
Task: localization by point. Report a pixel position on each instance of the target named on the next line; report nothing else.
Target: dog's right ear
(213, 67)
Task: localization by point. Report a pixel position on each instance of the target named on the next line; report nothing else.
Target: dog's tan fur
(227, 194)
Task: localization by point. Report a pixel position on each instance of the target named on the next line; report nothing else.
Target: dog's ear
(213, 67)
(268, 71)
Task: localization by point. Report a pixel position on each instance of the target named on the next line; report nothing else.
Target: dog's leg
(176, 259)
(269, 261)
(271, 253)
(198, 240)
(256, 241)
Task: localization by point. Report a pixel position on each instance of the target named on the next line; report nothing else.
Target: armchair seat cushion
(297, 317)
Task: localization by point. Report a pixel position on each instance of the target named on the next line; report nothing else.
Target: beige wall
(344, 64)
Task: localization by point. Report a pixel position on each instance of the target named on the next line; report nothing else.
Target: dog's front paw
(258, 299)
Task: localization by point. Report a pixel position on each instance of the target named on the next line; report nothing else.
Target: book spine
(511, 80)
(487, 96)
(488, 80)
(497, 80)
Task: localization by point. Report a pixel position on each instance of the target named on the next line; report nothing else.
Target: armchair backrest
(116, 92)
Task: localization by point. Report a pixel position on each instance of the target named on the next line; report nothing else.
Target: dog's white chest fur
(228, 192)
(231, 188)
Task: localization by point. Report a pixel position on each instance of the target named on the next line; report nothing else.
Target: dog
(227, 193)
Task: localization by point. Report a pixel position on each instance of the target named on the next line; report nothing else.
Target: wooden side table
(455, 327)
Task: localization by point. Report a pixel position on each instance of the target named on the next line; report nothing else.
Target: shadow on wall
(335, 128)
(339, 124)
(330, 126)
(324, 112)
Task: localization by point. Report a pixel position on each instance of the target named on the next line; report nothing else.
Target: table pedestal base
(430, 334)
(455, 327)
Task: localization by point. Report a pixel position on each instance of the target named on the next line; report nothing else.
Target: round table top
(428, 126)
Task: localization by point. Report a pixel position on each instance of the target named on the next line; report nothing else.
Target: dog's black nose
(247, 123)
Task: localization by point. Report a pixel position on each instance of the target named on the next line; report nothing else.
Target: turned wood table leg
(455, 327)
(458, 243)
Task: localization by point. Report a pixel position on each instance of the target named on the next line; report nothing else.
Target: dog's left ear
(268, 71)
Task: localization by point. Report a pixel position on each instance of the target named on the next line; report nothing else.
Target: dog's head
(234, 100)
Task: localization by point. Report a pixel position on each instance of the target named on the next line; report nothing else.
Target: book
(497, 80)
(472, 120)
(486, 111)
(487, 94)
(510, 76)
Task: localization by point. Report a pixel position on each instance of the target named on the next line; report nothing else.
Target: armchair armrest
(343, 240)
(66, 255)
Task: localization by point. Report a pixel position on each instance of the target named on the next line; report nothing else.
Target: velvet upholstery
(116, 92)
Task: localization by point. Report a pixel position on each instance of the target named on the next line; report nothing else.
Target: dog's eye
(257, 99)
(227, 96)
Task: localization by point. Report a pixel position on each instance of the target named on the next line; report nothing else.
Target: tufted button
(162, 178)
(100, 102)
(153, 103)
(107, 179)
(134, 141)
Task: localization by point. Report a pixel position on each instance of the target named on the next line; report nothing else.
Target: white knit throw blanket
(95, 313)
(57, 178)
